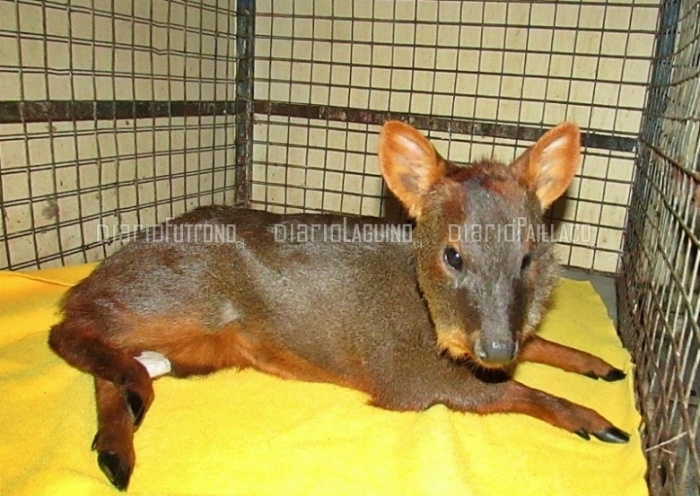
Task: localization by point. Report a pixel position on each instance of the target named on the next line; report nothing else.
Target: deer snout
(495, 352)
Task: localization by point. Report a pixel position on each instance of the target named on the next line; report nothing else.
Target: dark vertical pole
(636, 278)
(657, 98)
(245, 51)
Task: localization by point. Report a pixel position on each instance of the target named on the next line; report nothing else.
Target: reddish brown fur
(528, 401)
(552, 184)
(491, 176)
(401, 142)
(563, 357)
(193, 349)
(395, 320)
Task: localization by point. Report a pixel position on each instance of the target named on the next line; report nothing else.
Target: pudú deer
(411, 323)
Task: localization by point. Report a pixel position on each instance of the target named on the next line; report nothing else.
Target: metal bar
(89, 110)
(245, 51)
(56, 111)
(434, 123)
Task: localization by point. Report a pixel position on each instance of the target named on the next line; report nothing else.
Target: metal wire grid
(482, 78)
(659, 279)
(123, 114)
(114, 115)
(420, 82)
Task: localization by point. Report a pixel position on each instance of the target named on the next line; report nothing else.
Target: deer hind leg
(82, 346)
(540, 350)
(114, 441)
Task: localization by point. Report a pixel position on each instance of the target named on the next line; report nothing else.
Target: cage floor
(603, 285)
(242, 432)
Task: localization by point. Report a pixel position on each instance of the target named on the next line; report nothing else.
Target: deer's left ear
(548, 167)
(410, 165)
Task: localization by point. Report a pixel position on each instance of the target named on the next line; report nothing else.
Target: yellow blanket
(245, 433)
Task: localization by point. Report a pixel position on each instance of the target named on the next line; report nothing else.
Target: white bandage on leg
(155, 363)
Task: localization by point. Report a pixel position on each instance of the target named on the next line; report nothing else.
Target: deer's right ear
(410, 165)
(548, 167)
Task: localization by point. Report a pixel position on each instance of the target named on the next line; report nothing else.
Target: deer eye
(527, 260)
(453, 258)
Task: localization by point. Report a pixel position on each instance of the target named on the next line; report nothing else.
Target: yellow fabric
(246, 433)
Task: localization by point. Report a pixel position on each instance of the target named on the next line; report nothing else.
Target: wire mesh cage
(113, 114)
(659, 270)
(482, 78)
(116, 115)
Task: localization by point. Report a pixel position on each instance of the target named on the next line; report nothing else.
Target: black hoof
(592, 375)
(612, 435)
(582, 433)
(116, 471)
(135, 404)
(614, 375)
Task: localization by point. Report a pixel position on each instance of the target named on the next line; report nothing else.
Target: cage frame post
(649, 312)
(245, 50)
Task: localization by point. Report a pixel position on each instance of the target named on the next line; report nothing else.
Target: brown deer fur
(411, 324)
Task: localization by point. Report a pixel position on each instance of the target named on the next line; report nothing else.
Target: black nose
(496, 351)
